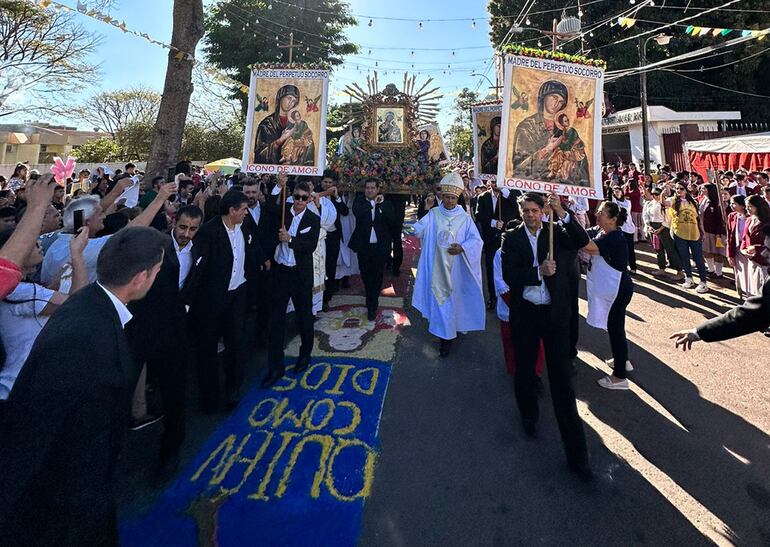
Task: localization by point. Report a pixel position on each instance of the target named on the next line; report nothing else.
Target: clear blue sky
(127, 60)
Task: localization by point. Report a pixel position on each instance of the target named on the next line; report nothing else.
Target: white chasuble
(448, 289)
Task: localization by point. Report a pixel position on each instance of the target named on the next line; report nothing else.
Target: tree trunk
(167, 134)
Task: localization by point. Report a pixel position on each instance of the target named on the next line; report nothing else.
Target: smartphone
(78, 218)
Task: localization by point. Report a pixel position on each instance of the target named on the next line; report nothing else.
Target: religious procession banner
(286, 122)
(551, 123)
(487, 123)
(431, 143)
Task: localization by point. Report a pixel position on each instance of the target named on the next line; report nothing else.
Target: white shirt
(20, 324)
(238, 274)
(256, 212)
(58, 255)
(653, 212)
(123, 314)
(185, 260)
(327, 203)
(505, 192)
(372, 235)
(283, 253)
(501, 287)
(539, 294)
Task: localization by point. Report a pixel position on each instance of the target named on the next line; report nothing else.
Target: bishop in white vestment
(447, 289)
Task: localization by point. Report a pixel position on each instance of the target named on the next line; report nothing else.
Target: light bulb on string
(256, 21)
(453, 54)
(632, 2)
(370, 52)
(473, 24)
(319, 19)
(412, 52)
(371, 22)
(527, 22)
(580, 14)
(591, 34)
(419, 26)
(270, 6)
(539, 43)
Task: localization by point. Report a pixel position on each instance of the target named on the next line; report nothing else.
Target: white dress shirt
(238, 244)
(653, 212)
(256, 212)
(505, 192)
(123, 314)
(283, 253)
(536, 294)
(185, 258)
(372, 234)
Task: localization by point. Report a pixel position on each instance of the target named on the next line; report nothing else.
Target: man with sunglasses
(293, 279)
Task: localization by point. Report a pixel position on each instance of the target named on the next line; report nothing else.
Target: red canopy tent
(729, 153)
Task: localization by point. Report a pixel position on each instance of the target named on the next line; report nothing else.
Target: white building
(622, 131)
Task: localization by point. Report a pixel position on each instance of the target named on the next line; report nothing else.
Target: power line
(723, 65)
(718, 87)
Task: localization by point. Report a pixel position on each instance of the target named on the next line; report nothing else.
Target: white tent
(741, 144)
(729, 153)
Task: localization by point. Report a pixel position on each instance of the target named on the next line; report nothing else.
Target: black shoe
(148, 420)
(302, 364)
(325, 307)
(272, 377)
(446, 346)
(167, 467)
(371, 315)
(530, 427)
(582, 470)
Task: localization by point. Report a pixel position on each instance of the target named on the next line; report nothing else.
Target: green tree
(746, 67)
(44, 56)
(460, 135)
(460, 141)
(240, 33)
(201, 143)
(98, 151)
(113, 111)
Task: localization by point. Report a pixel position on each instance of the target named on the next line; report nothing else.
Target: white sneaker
(688, 283)
(608, 383)
(611, 363)
(702, 288)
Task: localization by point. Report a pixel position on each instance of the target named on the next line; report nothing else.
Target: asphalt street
(683, 458)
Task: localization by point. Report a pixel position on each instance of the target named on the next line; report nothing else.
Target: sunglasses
(301, 197)
(681, 188)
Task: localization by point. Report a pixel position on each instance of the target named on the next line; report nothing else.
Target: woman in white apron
(609, 287)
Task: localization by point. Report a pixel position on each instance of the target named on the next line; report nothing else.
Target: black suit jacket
(305, 242)
(753, 316)
(266, 232)
(62, 428)
(485, 213)
(384, 221)
(212, 266)
(519, 272)
(158, 326)
(342, 210)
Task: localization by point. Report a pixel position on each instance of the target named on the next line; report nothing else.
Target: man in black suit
(753, 316)
(158, 333)
(64, 420)
(333, 235)
(376, 222)
(494, 209)
(540, 308)
(398, 204)
(225, 255)
(293, 279)
(262, 223)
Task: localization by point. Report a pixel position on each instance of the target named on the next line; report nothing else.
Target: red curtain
(701, 161)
